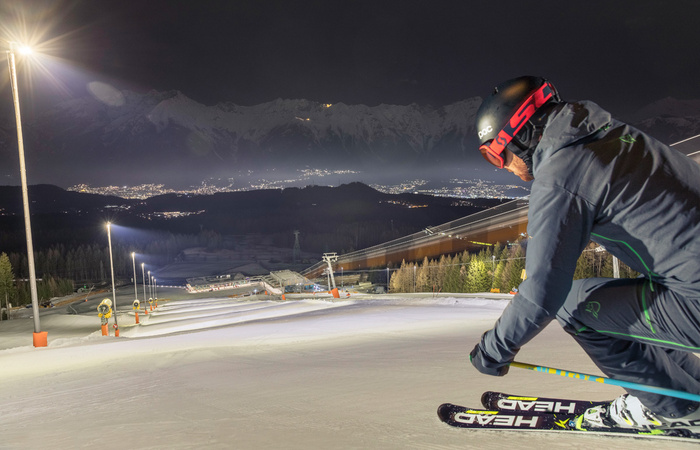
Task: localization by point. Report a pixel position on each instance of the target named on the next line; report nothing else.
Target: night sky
(621, 54)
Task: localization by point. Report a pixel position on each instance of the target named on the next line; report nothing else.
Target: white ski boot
(627, 411)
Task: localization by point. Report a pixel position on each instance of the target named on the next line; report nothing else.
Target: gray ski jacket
(602, 180)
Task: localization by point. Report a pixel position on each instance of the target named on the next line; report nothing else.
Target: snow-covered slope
(222, 373)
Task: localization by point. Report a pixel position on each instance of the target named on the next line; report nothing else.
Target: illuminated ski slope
(366, 372)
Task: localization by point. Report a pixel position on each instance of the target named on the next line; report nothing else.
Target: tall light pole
(114, 291)
(40, 339)
(143, 275)
(133, 260)
(155, 290)
(150, 290)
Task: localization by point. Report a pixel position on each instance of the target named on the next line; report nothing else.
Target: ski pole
(605, 380)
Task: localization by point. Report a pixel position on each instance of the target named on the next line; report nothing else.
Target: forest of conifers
(495, 267)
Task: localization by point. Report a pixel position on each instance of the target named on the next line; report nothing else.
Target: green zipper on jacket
(647, 317)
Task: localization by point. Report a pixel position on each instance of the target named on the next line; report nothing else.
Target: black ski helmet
(513, 117)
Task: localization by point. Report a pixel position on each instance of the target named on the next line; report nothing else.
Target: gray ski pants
(638, 331)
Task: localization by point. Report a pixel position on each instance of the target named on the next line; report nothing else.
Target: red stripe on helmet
(521, 116)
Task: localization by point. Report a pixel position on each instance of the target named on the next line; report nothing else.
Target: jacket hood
(567, 125)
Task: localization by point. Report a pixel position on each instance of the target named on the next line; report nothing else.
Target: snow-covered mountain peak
(138, 130)
(667, 107)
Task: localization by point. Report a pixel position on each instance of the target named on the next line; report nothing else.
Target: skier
(596, 178)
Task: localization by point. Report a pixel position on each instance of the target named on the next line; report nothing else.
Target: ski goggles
(492, 150)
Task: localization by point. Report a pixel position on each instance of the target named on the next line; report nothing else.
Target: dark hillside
(342, 218)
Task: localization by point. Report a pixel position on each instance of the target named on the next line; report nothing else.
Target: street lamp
(153, 289)
(40, 338)
(143, 275)
(133, 260)
(114, 291)
(150, 288)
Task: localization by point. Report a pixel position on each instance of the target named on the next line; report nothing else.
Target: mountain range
(123, 137)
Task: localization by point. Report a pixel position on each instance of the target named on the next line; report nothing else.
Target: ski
(499, 401)
(480, 419)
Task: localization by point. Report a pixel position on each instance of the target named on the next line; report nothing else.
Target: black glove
(487, 365)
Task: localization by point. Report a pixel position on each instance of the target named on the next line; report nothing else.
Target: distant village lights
(462, 189)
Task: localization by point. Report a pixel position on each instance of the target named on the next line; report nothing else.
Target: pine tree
(406, 272)
(440, 273)
(484, 275)
(394, 282)
(423, 277)
(584, 266)
(464, 275)
(512, 274)
(433, 270)
(627, 272)
(501, 260)
(469, 280)
(452, 280)
(8, 291)
(401, 281)
(479, 278)
(606, 265)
